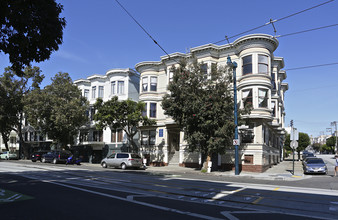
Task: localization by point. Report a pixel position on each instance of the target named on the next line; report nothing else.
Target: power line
(313, 66)
(273, 21)
(313, 29)
(143, 29)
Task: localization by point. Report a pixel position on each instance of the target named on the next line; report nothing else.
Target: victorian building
(259, 84)
(95, 144)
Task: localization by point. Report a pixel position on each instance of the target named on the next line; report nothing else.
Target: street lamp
(233, 65)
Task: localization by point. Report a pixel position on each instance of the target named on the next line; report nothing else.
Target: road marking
(258, 200)
(140, 203)
(275, 189)
(9, 196)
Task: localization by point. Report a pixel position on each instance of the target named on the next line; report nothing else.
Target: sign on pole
(294, 145)
(236, 142)
(294, 136)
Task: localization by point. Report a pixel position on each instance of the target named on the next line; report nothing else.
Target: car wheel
(43, 160)
(123, 166)
(104, 165)
(33, 160)
(6, 158)
(55, 161)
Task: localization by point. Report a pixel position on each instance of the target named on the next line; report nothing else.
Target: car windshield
(315, 161)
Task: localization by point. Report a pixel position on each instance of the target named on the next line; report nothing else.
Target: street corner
(7, 196)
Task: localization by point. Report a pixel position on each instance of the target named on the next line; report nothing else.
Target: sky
(100, 36)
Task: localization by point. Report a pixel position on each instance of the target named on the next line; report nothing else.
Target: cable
(305, 67)
(279, 19)
(313, 29)
(144, 30)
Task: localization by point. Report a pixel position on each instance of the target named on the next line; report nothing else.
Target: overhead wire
(273, 21)
(304, 31)
(130, 15)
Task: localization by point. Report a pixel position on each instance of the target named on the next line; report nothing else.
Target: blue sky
(100, 36)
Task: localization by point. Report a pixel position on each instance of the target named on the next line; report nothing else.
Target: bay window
(120, 87)
(144, 84)
(247, 98)
(247, 65)
(153, 83)
(263, 64)
(263, 98)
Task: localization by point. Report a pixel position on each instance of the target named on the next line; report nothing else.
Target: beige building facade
(260, 83)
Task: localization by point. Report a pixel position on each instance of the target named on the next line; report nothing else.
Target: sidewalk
(281, 171)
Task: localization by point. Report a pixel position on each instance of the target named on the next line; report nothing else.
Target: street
(47, 191)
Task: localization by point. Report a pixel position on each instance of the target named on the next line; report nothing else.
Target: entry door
(174, 142)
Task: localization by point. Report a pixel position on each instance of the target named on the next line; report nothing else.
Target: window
(113, 136)
(273, 107)
(92, 113)
(116, 135)
(86, 93)
(247, 98)
(247, 65)
(248, 159)
(144, 112)
(171, 75)
(144, 84)
(262, 98)
(152, 113)
(153, 83)
(273, 81)
(119, 135)
(101, 91)
(120, 87)
(94, 92)
(98, 136)
(152, 137)
(204, 70)
(113, 88)
(148, 137)
(263, 64)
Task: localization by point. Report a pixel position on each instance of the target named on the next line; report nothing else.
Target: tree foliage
(30, 30)
(12, 91)
(58, 110)
(126, 115)
(303, 142)
(202, 106)
(331, 143)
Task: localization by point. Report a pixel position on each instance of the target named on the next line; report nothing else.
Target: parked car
(122, 160)
(307, 154)
(314, 165)
(36, 156)
(8, 155)
(55, 157)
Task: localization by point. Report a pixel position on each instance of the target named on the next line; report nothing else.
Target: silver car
(8, 155)
(314, 165)
(122, 160)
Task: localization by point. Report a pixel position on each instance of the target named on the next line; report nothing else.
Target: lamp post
(233, 65)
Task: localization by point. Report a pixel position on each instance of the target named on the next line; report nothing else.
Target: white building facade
(259, 84)
(123, 83)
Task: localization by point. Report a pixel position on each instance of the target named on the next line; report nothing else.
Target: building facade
(259, 84)
(95, 144)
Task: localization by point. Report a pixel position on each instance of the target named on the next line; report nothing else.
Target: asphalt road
(47, 191)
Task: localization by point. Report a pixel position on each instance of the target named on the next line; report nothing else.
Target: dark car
(314, 165)
(36, 156)
(307, 154)
(55, 157)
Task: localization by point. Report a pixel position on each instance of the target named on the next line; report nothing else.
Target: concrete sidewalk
(281, 171)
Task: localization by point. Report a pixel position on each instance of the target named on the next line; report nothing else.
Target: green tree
(331, 143)
(317, 147)
(58, 110)
(12, 91)
(126, 115)
(303, 142)
(202, 106)
(30, 30)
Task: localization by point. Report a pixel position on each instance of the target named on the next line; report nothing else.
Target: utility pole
(233, 66)
(334, 123)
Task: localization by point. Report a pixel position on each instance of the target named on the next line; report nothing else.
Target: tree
(331, 143)
(202, 106)
(30, 30)
(12, 91)
(303, 142)
(126, 115)
(58, 110)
